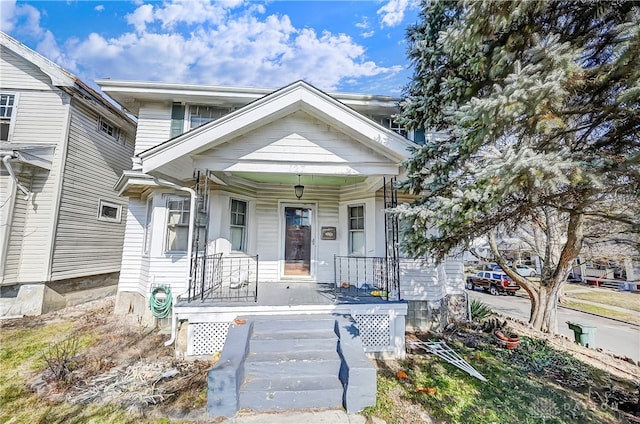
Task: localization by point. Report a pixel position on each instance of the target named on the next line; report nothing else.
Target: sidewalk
(303, 417)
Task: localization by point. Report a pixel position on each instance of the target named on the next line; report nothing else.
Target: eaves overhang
(297, 96)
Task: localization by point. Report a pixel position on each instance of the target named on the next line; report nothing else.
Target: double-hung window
(7, 106)
(177, 224)
(238, 228)
(356, 230)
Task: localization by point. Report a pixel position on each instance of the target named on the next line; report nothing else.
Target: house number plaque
(328, 233)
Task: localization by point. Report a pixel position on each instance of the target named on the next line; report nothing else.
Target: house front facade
(243, 196)
(62, 147)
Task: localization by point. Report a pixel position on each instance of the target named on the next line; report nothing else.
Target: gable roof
(299, 96)
(62, 78)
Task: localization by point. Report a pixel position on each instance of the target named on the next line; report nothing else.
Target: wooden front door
(297, 241)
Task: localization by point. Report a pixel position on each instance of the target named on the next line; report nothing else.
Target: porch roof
(176, 158)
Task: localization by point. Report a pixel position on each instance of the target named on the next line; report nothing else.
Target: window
(147, 227)
(200, 115)
(110, 212)
(356, 230)
(177, 119)
(238, 225)
(111, 130)
(7, 104)
(177, 224)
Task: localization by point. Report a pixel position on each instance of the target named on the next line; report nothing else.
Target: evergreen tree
(538, 104)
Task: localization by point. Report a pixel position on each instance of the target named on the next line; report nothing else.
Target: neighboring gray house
(62, 146)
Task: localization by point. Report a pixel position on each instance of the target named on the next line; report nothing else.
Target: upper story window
(7, 106)
(238, 228)
(356, 230)
(200, 115)
(111, 130)
(387, 122)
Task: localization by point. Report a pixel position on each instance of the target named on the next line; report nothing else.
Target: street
(613, 336)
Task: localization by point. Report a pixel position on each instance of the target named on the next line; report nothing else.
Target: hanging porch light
(298, 189)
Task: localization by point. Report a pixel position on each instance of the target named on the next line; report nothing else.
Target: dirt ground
(121, 364)
(127, 365)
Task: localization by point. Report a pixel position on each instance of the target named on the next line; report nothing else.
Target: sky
(346, 46)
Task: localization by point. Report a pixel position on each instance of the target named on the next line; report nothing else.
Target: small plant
(59, 359)
(479, 310)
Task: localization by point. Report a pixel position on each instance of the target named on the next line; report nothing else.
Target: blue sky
(349, 46)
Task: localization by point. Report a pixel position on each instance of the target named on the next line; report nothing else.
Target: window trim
(117, 206)
(12, 118)
(117, 134)
(169, 198)
(148, 228)
(244, 227)
(350, 250)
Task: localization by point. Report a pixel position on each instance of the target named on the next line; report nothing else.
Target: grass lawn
(531, 384)
(627, 300)
(602, 311)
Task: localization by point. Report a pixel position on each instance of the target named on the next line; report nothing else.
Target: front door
(298, 237)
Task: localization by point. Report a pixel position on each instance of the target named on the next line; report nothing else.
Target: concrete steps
(288, 363)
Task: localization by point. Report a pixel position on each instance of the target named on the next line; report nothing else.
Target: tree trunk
(544, 296)
(544, 306)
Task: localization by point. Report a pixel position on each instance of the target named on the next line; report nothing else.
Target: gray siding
(83, 244)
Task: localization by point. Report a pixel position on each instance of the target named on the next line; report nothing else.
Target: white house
(249, 201)
(62, 147)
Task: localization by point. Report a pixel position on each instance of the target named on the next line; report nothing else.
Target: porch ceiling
(291, 179)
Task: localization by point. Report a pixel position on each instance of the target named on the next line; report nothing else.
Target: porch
(361, 289)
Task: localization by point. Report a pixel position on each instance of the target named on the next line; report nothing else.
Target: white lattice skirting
(381, 326)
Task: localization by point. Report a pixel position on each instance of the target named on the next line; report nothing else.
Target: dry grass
(627, 300)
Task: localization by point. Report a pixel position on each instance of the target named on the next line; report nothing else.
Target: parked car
(526, 271)
(495, 282)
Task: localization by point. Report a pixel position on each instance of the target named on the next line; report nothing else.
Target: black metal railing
(224, 278)
(366, 276)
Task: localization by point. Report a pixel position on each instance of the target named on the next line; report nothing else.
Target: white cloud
(245, 49)
(392, 13)
(367, 34)
(99, 8)
(364, 24)
(21, 18)
(212, 43)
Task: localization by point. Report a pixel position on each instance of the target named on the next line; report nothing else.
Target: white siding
(131, 268)
(37, 231)
(14, 243)
(39, 119)
(18, 73)
(297, 138)
(154, 125)
(85, 245)
(264, 230)
(421, 281)
(7, 189)
(454, 270)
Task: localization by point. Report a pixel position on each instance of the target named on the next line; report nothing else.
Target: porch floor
(295, 293)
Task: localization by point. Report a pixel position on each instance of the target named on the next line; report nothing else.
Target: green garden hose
(160, 307)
